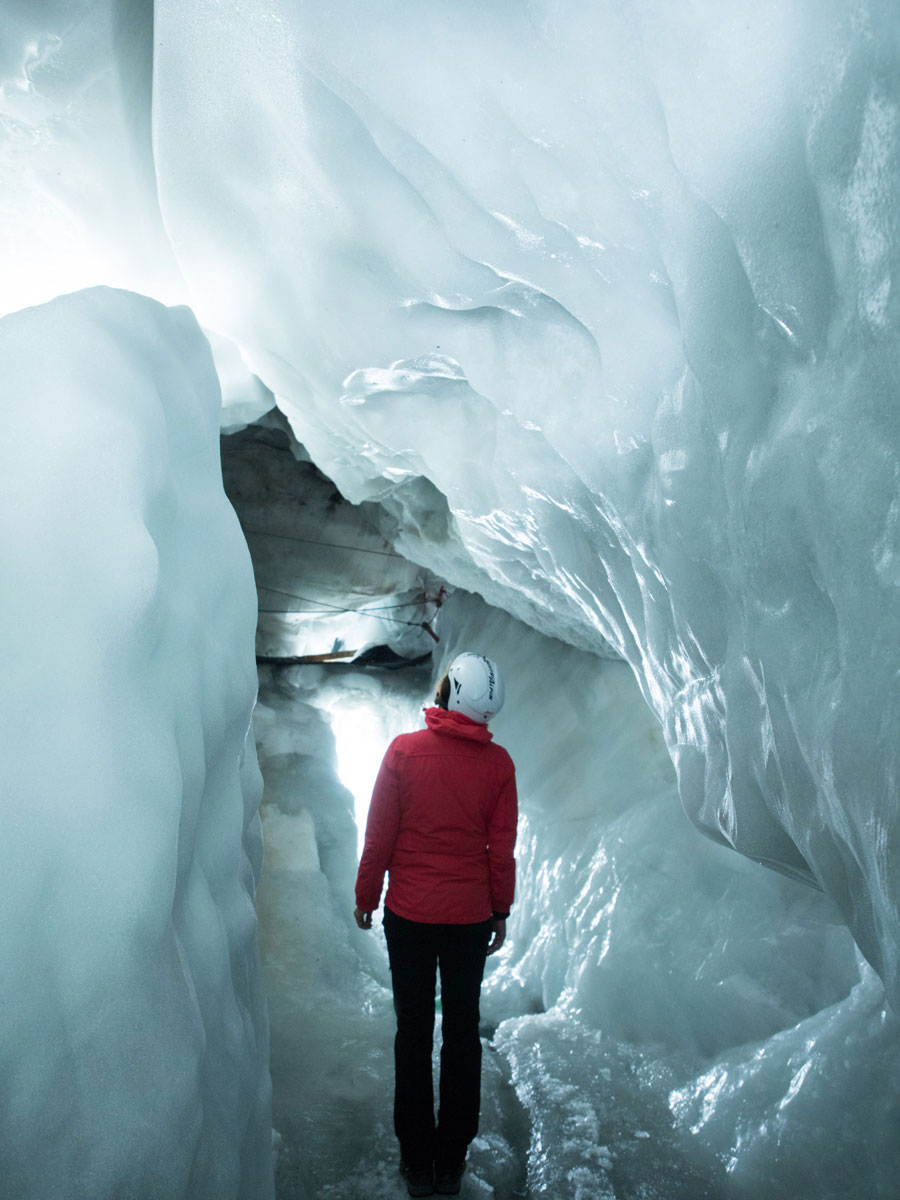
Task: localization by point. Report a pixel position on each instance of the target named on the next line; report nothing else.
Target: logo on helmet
(477, 690)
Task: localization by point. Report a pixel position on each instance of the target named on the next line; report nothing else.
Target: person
(442, 824)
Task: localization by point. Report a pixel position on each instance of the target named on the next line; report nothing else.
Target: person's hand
(363, 919)
(498, 935)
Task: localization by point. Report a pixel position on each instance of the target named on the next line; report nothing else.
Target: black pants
(415, 951)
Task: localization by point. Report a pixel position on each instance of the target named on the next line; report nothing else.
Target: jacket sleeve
(502, 844)
(381, 834)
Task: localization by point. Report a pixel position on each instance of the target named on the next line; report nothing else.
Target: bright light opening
(365, 718)
(360, 742)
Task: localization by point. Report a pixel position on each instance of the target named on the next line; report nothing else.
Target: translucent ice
(77, 183)
(598, 303)
(677, 1023)
(666, 1020)
(135, 1047)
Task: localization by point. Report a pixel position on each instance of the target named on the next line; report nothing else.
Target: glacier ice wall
(666, 1020)
(677, 1023)
(599, 304)
(646, 252)
(76, 161)
(135, 1034)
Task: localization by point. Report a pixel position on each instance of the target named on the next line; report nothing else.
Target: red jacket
(442, 823)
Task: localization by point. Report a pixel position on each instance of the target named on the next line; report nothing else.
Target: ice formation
(135, 1048)
(668, 1020)
(594, 306)
(600, 309)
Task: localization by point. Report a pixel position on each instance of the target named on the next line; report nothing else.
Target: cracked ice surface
(598, 304)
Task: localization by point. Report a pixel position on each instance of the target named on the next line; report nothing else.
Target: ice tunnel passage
(667, 1016)
(595, 308)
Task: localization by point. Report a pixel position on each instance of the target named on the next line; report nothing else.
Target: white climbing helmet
(476, 689)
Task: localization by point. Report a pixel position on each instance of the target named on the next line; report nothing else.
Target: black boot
(448, 1180)
(419, 1182)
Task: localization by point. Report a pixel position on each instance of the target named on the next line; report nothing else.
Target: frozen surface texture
(677, 1023)
(77, 189)
(135, 1047)
(666, 1021)
(598, 303)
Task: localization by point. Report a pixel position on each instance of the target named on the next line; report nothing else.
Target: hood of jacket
(456, 724)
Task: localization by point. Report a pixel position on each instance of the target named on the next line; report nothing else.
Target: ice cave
(338, 338)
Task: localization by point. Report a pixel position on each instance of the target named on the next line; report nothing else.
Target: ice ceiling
(595, 301)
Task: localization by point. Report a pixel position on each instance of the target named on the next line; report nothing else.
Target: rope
(288, 537)
(368, 612)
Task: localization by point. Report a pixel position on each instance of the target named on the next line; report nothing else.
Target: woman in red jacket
(442, 823)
